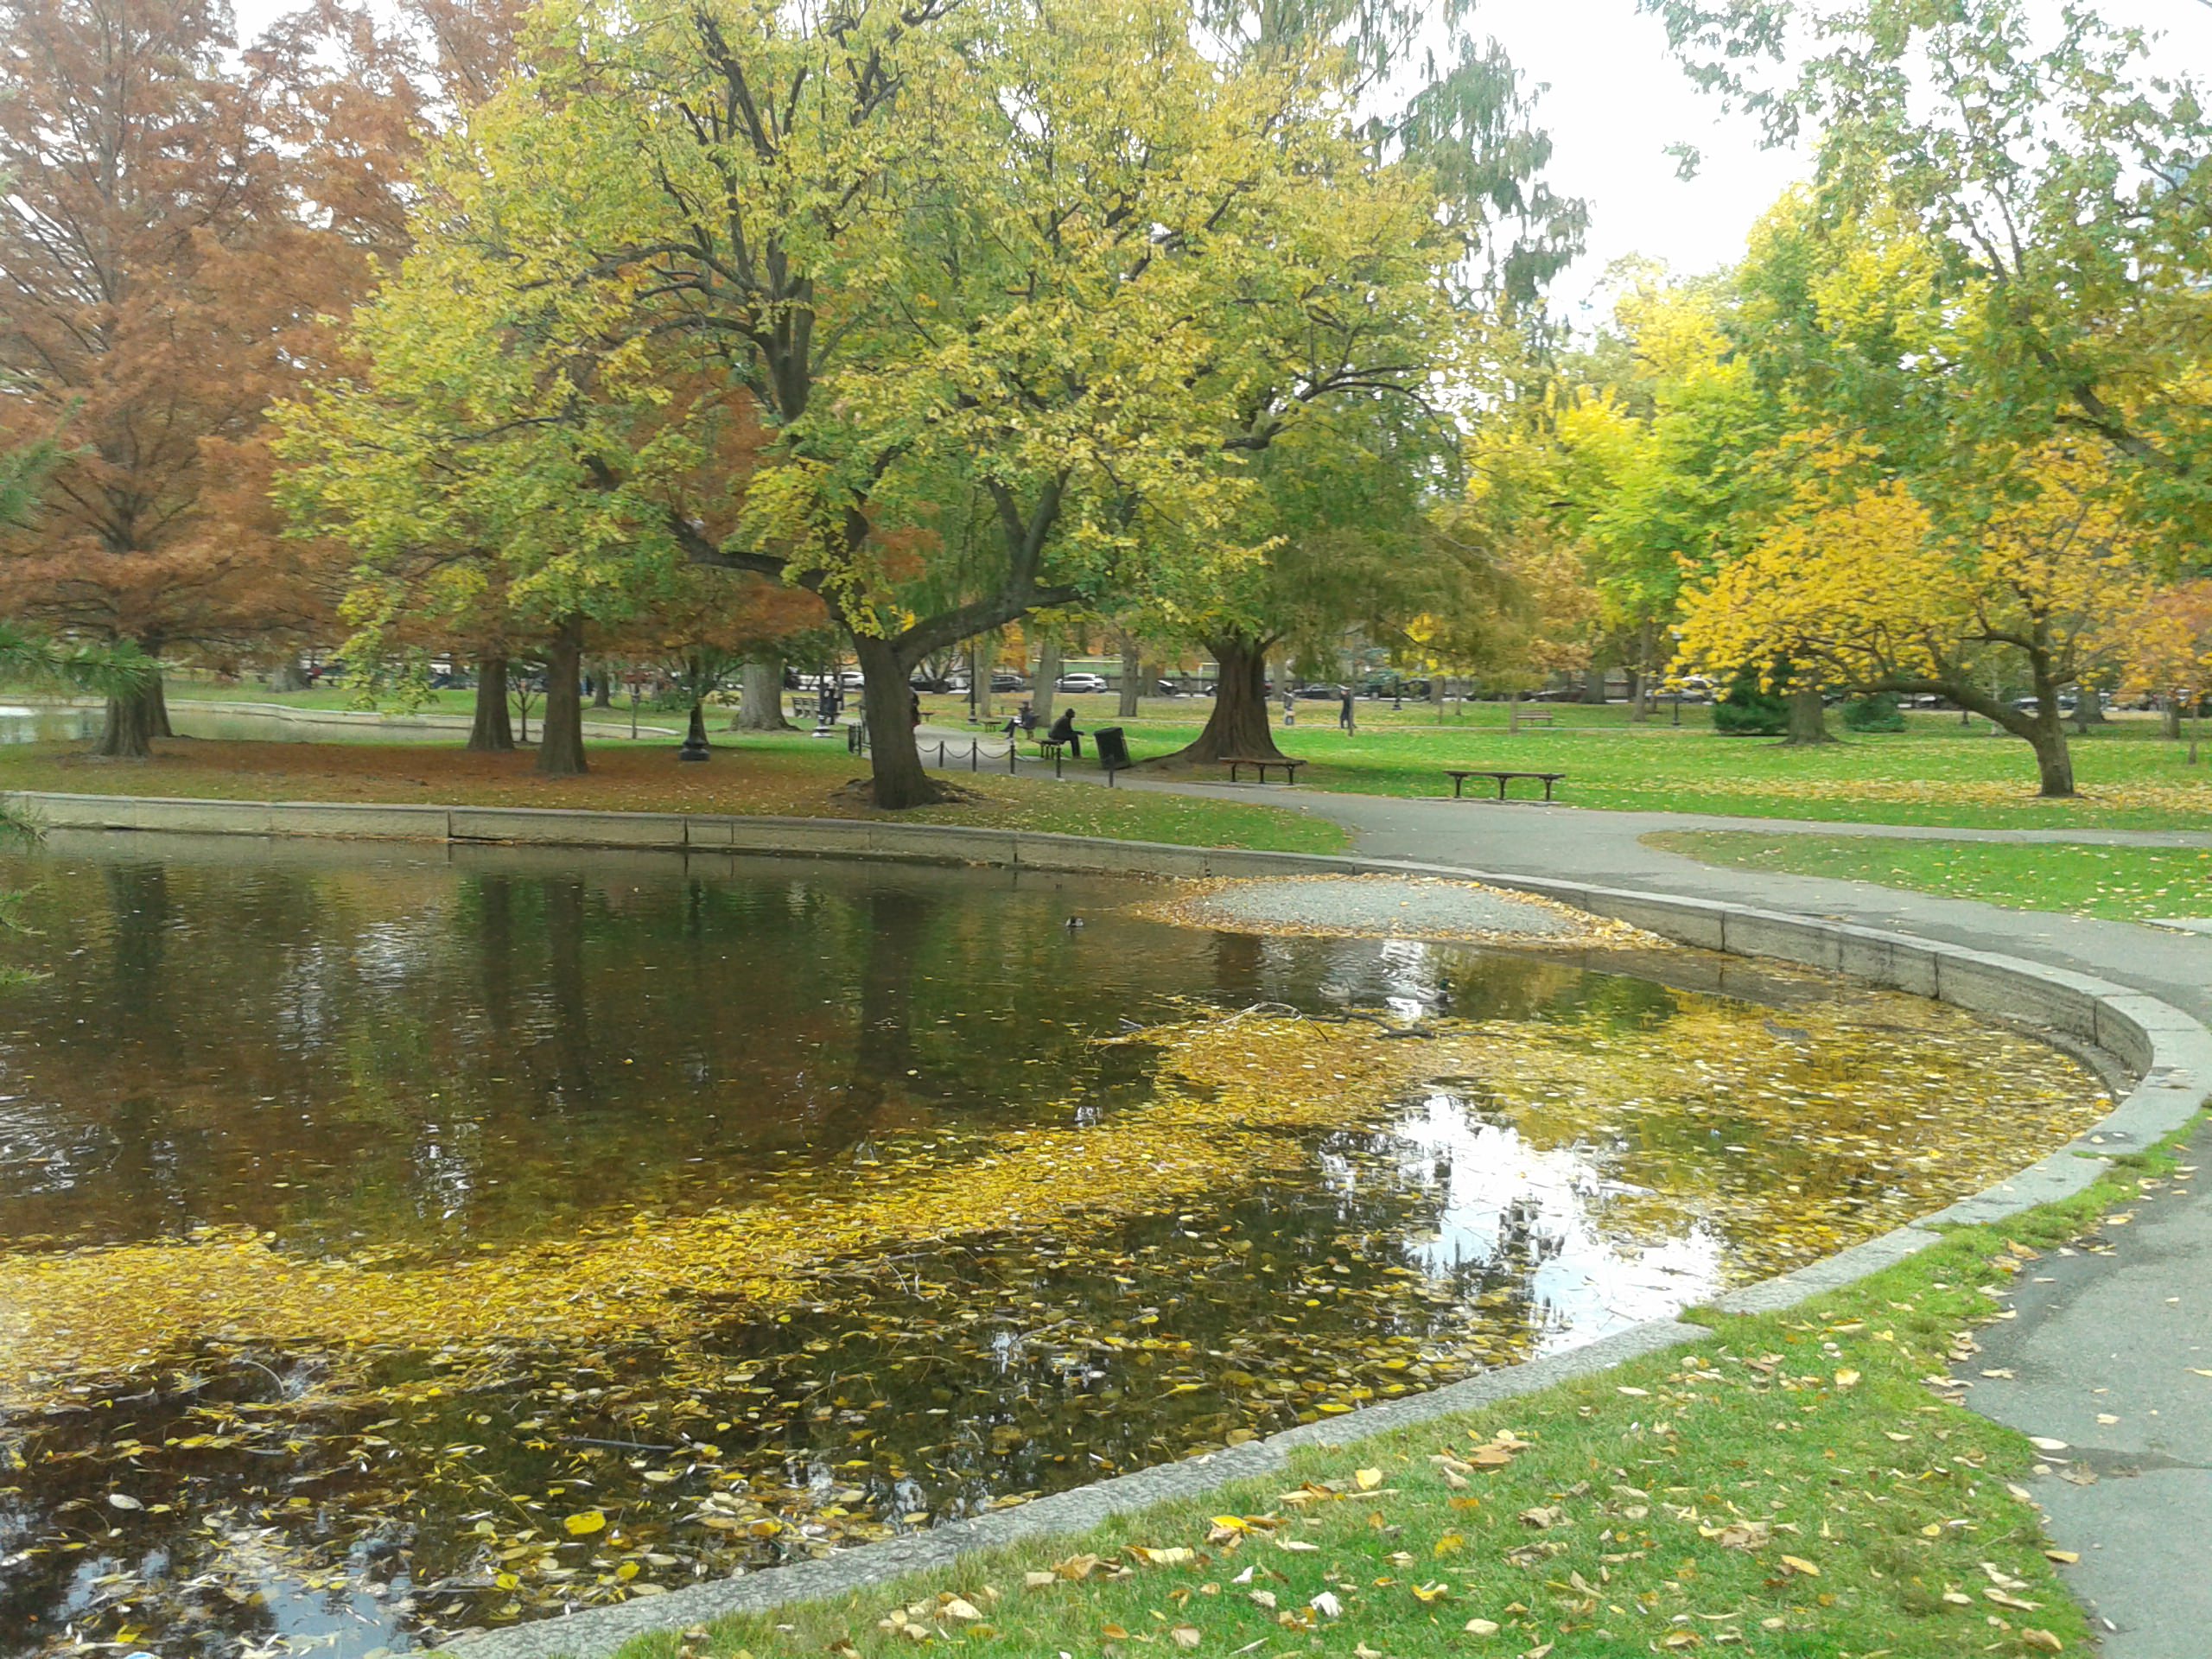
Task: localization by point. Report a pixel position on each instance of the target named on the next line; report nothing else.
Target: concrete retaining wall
(2169, 1054)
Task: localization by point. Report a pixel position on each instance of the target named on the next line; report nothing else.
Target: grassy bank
(1793, 1486)
(2125, 883)
(764, 777)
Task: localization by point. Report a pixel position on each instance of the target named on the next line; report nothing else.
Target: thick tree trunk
(2170, 717)
(760, 697)
(286, 676)
(983, 657)
(2088, 708)
(1131, 682)
(602, 688)
(1238, 724)
(1048, 680)
(561, 729)
(493, 731)
(160, 698)
(134, 721)
(894, 761)
(1594, 685)
(2054, 761)
(1808, 719)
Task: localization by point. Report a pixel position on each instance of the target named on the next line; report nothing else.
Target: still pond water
(398, 1241)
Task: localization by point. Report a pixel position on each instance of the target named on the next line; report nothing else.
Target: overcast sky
(1616, 100)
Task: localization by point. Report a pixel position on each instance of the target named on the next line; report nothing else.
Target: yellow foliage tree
(2166, 647)
(1859, 584)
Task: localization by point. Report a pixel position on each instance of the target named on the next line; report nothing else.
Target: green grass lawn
(1792, 1487)
(2125, 883)
(1936, 773)
(772, 776)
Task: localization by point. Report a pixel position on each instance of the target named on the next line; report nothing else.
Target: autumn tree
(2056, 180)
(1442, 100)
(939, 248)
(1874, 588)
(169, 249)
(2164, 647)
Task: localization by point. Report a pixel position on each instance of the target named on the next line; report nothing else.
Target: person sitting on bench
(1063, 731)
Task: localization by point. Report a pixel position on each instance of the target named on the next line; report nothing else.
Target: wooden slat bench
(1459, 776)
(1233, 761)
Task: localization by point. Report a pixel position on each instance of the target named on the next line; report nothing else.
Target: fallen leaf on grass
(2043, 1640)
(1740, 1535)
(1185, 1635)
(1799, 1564)
(1481, 1627)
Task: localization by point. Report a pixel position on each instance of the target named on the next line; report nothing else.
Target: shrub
(1878, 712)
(1749, 711)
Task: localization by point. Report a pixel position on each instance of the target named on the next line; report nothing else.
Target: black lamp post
(695, 747)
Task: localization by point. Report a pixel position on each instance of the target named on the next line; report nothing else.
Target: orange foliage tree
(181, 219)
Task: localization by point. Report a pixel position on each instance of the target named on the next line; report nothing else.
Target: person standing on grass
(1345, 718)
(1063, 731)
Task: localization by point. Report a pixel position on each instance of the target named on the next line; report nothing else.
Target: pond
(399, 1241)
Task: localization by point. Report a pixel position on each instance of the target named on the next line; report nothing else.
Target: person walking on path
(1345, 718)
(1289, 707)
(1063, 731)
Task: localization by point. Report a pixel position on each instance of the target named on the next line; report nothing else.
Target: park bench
(1534, 717)
(1233, 761)
(1459, 776)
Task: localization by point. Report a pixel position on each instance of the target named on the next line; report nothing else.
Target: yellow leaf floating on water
(584, 1524)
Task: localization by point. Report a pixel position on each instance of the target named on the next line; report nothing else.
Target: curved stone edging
(2169, 1053)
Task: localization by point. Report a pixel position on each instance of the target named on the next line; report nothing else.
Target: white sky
(1616, 100)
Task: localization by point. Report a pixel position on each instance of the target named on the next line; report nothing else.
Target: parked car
(1166, 689)
(1082, 684)
(1007, 680)
(1318, 692)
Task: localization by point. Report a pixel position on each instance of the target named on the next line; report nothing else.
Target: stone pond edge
(2168, 1053)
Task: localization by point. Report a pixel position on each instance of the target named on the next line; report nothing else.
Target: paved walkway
(2110, 1348)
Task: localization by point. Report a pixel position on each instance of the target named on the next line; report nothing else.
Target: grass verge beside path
(2123, 883)
(1792, 1487)
(775, 777)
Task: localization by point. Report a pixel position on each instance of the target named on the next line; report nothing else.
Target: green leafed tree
(1040, 259)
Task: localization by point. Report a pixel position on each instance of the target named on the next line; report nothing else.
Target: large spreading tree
(1041, 259)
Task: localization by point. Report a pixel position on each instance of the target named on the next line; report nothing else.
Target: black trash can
(1113, 748)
